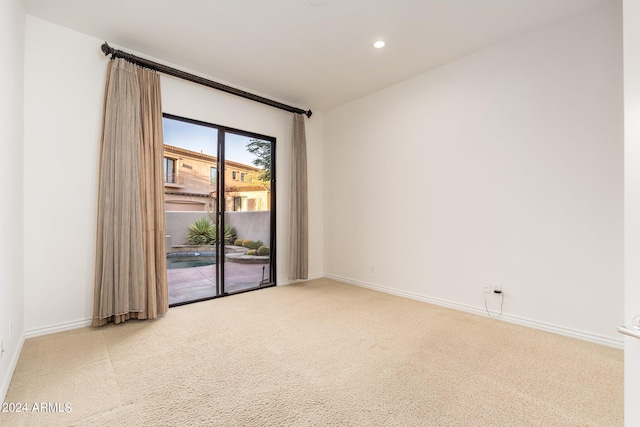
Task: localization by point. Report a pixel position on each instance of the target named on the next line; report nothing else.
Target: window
(213, 176)
(169, 170)
(239, 204)
(242, 177)
(234, 175)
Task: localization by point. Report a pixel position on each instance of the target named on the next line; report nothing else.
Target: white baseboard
(61, 327)
(68, 326)
(6, 381)
(543, 326)
(311, 277)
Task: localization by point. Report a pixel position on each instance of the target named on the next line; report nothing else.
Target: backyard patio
(191, 284)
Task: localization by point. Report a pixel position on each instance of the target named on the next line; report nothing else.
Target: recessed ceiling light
(378, 44)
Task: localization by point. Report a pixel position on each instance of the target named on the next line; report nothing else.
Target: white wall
(12, 28)
(63, 99)
(632, 205)
(502, 167)
(64, 89)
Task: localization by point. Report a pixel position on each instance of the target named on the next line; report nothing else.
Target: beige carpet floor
(316, 354)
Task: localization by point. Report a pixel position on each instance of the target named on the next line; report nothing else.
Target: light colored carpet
(319, 353)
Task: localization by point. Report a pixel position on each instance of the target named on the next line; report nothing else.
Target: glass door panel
(190, 193)
(247, 212)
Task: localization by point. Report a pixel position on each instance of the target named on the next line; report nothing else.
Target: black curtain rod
(108, 50)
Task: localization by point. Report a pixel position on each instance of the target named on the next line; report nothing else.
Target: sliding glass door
(247, 211)
(219, 210)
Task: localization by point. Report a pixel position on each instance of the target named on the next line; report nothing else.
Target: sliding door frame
(220, 205)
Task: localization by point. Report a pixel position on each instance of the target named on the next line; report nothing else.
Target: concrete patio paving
(190, 284)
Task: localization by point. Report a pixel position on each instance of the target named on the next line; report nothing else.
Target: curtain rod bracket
(108, 50)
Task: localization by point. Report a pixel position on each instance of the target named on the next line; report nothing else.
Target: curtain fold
(152, 192)
(298, 208)
(130, 276)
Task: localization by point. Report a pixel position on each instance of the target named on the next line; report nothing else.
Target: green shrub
(201, 232)
(263, 250)
(229, 234)
(252, 252)
(252, 244)
(204, 232)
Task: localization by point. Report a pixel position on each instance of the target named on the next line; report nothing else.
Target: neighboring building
(190, 183)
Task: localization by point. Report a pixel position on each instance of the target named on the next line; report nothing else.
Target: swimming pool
(190, 259)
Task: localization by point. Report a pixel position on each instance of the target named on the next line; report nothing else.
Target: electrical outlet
(487, 288)
(497, 288)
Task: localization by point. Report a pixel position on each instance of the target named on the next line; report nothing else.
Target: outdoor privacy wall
(503, 167)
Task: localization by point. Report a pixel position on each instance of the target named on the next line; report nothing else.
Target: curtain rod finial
(106, 49)
(308, 114)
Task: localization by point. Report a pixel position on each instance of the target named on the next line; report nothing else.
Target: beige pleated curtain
(299, 228)
(130, 280)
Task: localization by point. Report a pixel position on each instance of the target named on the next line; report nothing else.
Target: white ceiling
(310, 56)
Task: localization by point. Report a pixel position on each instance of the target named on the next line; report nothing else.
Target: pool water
(190, 260)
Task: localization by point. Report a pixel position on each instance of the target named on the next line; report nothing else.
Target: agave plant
(201, 232)
(229, 235)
